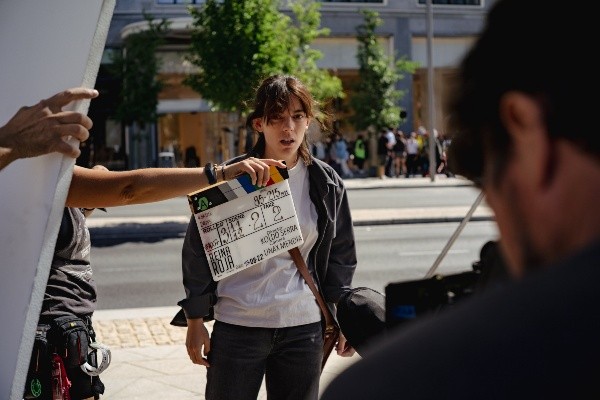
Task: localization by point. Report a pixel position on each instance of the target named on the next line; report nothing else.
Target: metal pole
(430, 99)
(454, 236)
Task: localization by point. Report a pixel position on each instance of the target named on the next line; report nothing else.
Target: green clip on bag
(38, 382)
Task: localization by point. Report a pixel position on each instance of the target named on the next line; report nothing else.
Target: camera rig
(407, 300)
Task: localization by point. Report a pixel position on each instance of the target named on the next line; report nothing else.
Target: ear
(533, 150)
(257, 124)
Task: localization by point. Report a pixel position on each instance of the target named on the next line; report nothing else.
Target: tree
(236, 44)
(138, 68)
(321, 83)
(375, 102)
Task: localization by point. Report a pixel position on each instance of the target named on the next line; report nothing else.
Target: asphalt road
(137, 262)
(140, 274)
(147, 223)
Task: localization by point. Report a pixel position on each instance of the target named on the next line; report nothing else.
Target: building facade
(186, 124)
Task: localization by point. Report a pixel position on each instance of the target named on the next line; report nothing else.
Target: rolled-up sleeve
(197, 281)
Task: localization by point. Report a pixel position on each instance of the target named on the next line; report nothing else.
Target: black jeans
(411, 164)
(288, 358)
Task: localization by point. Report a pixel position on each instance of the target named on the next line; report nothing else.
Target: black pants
(411, 164)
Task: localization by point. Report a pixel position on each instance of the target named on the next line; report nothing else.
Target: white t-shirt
(273, 294)
(391, 139)
(412, 146)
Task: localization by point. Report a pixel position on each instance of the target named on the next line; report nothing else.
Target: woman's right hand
(258, 169)
(197, 341)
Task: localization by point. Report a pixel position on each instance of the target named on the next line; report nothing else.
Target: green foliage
(376, 97)
(306, 29)
(138, 67)
(235, 44)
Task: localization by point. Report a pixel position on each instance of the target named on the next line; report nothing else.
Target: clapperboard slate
(242, 224)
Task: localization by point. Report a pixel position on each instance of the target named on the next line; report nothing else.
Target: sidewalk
(149, 358)
(150, 362)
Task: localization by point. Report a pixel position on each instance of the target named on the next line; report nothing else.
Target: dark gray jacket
(332, 260)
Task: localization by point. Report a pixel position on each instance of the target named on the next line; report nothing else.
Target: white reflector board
(47, 46)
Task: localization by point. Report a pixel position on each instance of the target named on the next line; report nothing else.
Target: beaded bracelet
(209, 172)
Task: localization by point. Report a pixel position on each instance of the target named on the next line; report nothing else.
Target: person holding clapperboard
(267, 322)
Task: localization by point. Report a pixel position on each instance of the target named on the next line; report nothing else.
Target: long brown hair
(273, 97)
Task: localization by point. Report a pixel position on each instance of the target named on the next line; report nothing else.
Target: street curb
(433, 220)
(404, 183)
(112, 231)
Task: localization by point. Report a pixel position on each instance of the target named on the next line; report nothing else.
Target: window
(351, 1)
(453, 2)
(179, 1)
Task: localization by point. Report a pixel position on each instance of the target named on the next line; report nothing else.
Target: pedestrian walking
(412, 155)
(399, 154)
(384, 152)
(339, 156)
(360, 152)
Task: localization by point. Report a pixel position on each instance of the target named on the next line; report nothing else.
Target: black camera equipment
(407, 300)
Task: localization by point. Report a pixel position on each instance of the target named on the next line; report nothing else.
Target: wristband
(208, 171)
(223, 172)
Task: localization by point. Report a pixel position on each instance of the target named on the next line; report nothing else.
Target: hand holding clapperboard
(242, 224)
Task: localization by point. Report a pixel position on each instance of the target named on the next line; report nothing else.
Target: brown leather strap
(301, 265)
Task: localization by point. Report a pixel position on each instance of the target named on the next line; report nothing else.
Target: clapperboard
(242, 224)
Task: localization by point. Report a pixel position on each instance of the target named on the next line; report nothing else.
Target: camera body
(408, 300)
